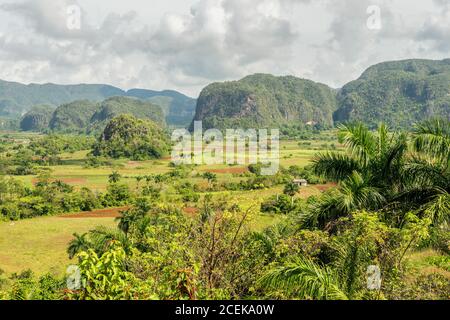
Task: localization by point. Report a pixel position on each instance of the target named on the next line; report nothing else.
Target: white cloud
(130, 45)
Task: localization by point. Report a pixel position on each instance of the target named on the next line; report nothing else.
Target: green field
(40, 244)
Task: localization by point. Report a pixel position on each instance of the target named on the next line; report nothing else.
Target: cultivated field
(40, 243)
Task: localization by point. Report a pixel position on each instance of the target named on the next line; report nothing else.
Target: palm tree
(103, 237)
(211, 177)
(114, 177)
(369, 172)
(305, 279)
(353, 194)
(376, 156)
(428, 171)
(77, 245)
(291, 189)
(133, 215)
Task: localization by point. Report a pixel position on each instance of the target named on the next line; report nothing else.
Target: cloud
(216, 40)
(436, 30)
(219, 38)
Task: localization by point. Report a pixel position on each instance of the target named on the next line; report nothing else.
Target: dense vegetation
(391, 198)
(37, 119)
(128, 137)
(90, 117)
(73, 117)
(398, 93)
(17, 99)
(266, 101)
(178, 109)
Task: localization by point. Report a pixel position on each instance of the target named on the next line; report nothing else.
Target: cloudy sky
(186, 44)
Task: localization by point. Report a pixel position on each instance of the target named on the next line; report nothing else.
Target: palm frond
(433, 137)
(334, 165)
(359, 140)
(438, 209)
(304, 279)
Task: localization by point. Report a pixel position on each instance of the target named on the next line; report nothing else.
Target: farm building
(300, 182)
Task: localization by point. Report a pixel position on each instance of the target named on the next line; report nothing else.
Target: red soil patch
(65, 180)
(228, 170)
(102, 213)
(190, 211)
(325, 187)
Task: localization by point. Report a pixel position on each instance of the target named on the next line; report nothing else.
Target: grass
(40, 244)
(428, 261)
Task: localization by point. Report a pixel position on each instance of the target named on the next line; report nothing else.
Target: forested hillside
(16, 99)
(264, 100)
(398, 93)
(37, 119)
(91, 117)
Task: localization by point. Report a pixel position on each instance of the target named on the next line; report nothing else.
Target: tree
(428, 171)
(128, 137)
(211, 177)
(291, 189)
(77, 245)
(306, 279)
(369, 172)
(115, 177)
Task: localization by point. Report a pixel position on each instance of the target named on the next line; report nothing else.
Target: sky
(186, 44)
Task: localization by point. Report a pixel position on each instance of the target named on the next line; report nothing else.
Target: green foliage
(104, 277)
(37, 119)
(291, 189)
(16, 99)
(128, 137)
(73, 117)
(264, 101)
(306, 280)
(113, 107)
(399, 93)
(25, 286)
(281, 204)
(51, 146)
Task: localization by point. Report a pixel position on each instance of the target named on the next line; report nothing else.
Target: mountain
(399, 93)
(74, 116)
(263, 100)
(16, 98)
(116, 106)
(37, 119)
(92, 117)
(126, 136)
(178, 109)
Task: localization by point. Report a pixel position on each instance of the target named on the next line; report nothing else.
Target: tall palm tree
(376, 156)
(428, 170)
(115, 177)
(78, 244)
(102, 238)
(368, 172)
(353, 194)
